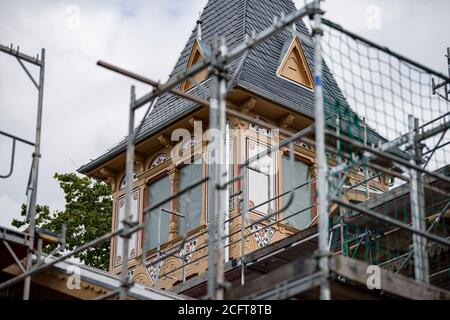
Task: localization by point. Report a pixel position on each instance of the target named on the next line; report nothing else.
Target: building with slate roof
(234, 20)
(271, 251)
(273, 84)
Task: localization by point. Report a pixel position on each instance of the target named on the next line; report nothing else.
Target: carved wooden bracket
(313, 170)
(110, 177)
(173, 230)
(239, 124)
(165, 141)
(286, 121)
(193, 120)
(249, 105)
(139, 166)
(174, 175)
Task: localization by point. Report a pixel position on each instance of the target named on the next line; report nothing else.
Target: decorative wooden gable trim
(294, 65)
(195, 57)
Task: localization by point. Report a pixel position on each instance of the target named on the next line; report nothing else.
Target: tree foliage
(87, 216)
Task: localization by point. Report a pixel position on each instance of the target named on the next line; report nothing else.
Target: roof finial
(199, 29)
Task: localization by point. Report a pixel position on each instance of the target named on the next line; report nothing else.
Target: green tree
(87, 216)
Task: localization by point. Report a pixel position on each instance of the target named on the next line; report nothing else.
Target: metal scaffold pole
(129, 189)
(212, 205)
(421, 267)
(322, 181)
(222, 176)
(31, 216)
(217, 120)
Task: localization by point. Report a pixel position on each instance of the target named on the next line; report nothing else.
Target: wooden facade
(154, 161)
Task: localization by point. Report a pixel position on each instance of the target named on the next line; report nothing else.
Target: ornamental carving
(154, 270)
(261, 130)
(159, 159)
(304, 145)
(263, 235)
(123, 183)
(187, 250)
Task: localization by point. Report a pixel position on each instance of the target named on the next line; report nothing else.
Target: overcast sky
(85, 107)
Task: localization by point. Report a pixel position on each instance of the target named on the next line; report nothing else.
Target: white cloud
(84, 105)
(9, 210)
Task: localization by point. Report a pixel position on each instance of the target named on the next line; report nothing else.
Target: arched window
(160, 158)
(123, 183)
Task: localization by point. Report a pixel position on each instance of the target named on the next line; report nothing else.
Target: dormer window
(197, 55)
(294, 66)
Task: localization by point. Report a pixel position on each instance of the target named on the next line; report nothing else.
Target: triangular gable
(294, 65)
(197, 55)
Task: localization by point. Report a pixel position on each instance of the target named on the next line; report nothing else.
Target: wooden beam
(394, 284)
(298, 269)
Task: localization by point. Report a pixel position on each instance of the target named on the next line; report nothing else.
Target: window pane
(120, 217)
(261, 178)
(259, 190)
(158, 191)
(192, 201)
(302, 196)
(229, 157)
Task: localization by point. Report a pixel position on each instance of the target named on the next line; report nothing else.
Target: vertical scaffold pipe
(221, 174)
(421, 265)
(322, 183)
(124, 286)
(34, 177)
(212, 183)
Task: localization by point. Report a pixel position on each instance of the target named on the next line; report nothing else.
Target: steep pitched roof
(234, 19)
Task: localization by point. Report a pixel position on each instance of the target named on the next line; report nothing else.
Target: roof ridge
(241, 63)
(245, 17)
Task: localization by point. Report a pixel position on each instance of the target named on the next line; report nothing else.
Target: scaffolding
(357, 227)
(32, 186)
